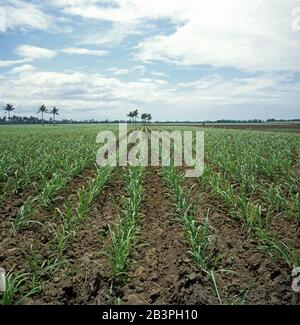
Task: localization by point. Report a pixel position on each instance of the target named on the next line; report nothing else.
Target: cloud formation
(34, 52)
(83, 51)
(26, 15)
(182, 59)
(95, 93)
(246, 35)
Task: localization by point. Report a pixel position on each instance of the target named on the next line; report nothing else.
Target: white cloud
(23, 69)
(118, 71)
(77, 90)
(88, 95)
(8, 63)
(83, 51)
(25, 15)
(34, 53)
(238, 34)
(159, 74)
(246, 35)
(128, 17)
(153, 81)
(139, 68)
(124, 11)
(112, 36)
(203, 83)
(242, 34)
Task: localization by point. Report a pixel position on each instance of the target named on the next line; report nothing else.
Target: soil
(283, 227)
(162, 272)
(11, 206)
(15, 248)
(287, 230)
(258, 278)
(86, 271)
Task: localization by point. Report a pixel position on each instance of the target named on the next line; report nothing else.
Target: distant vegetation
(133, 117)
(9, 108)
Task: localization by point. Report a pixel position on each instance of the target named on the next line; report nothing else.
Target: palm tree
(54, 112)
(130, 115)
(149, 117)
(135, 115)
(42, 109)
(144, 117)
(8, 109)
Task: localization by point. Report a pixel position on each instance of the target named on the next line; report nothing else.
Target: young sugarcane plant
(124, 232)
(51, 188)
(122, 237)
(295, 208)
(251, 213)
(71, 219)
(61, 237)
(200, 236)
(15, 289)
(38, 267)
(23, 216)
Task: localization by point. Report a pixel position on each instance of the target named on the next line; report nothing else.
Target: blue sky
(178, 59)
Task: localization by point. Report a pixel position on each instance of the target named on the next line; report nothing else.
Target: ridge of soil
(260, 279)
(9, 210)
(162, 272)
(86, 271)
(16, 247)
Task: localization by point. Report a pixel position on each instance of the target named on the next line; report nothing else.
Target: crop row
(41, 160)
(123, 233)
(21, 285)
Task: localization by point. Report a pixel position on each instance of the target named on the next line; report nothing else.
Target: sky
(176, 59)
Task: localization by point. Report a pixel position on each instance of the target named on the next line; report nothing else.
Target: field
(286, 127)
(74, 233)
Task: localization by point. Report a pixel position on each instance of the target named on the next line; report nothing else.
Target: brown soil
(162, 272)
(285, 228)
(11, 206)
(86, 272)
(16, 247)
(260, 279)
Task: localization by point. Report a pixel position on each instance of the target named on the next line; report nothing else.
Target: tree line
(9, 108)
(133, 116)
